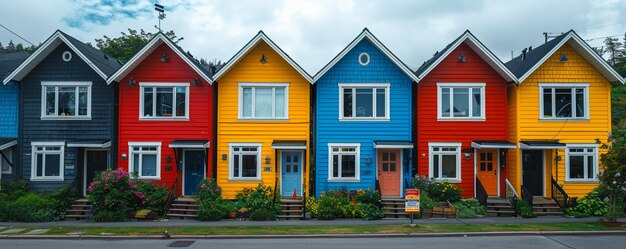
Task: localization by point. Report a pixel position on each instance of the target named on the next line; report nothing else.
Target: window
(66, 100)
(445, 161)
(47, 161)
(245, 161)
(461, 101)
(263, 101)
(364, 59)
(564, 101)
(164, 101)
(343, 162)
(581, 163)
(364, 101)
(5, 165)
(145, 160)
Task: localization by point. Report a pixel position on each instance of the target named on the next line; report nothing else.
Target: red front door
(389, 172)
(488, 170)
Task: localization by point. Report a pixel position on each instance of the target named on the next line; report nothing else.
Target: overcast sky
(313, 32)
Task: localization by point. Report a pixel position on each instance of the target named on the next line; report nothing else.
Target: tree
(613, 177)
(124, 47)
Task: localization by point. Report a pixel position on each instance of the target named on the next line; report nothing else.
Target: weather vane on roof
(161, 9)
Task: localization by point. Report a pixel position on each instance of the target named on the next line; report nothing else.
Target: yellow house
(263, 121)
(559, 107)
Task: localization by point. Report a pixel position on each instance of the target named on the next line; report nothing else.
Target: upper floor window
(461, 101)
(164, 101)
(364, 101)
(581, 163)
(564, 101)
(66, 100)
(263, 100)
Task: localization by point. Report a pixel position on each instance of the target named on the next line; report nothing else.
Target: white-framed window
(364, 59)
(245, 161)
(445, 161)
(164, 101)
(581, 162)
(145, 160)
(65, 100)
(344, 162)
(263, 100)
(460, 101)
(364, 101)
(564, 101)
(47, 161)
(5, 166)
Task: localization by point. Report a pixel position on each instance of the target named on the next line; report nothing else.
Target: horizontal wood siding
(513, 163)
(200, 123)
(233, 130)
(430, 130)
(330, 130)
(9, 95)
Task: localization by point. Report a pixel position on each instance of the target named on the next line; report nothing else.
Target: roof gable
(152, 45)
(478, 47)
(8, 62)
(251, 45)
(99, 62)
(366, 34)
(524, 66)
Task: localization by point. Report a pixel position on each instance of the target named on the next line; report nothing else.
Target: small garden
(364, 204)
(19, 203)
(434, 194)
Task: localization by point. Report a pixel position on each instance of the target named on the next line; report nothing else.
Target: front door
(488, 170)
(96, 161)
(532, 171)
(389, 168)
(194, 163)
(291, 169)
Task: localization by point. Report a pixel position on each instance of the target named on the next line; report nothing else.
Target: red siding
(199, 125)
(429, 130)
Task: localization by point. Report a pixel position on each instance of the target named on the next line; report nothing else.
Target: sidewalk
(339, 222)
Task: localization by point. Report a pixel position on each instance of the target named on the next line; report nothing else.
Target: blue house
(67, 113)
(363, 120)
(9, 95)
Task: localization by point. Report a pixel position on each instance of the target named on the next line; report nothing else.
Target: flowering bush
(261, 197)
(445, 191)
(368, 196)
(208, 190)
(423, 183)
(333, 204)
(210, 203)
(591, 205)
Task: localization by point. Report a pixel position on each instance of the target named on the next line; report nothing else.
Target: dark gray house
(67, 113)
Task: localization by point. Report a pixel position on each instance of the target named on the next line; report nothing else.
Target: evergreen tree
(124, 47)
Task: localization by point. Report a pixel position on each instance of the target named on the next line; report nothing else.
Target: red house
(166, 100)
(462, 121)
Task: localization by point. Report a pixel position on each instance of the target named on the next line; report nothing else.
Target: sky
(313, 32)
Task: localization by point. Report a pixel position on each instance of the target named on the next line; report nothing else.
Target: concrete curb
(304, 236)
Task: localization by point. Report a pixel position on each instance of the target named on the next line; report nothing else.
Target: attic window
(364, 59)
(66, 56)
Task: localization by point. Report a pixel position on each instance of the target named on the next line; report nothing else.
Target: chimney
(530, 49)
(524, 53)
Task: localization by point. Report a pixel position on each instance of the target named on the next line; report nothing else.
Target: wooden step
(291, 211)
(183, 210)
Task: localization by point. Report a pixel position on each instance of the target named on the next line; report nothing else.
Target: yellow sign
(412, 204)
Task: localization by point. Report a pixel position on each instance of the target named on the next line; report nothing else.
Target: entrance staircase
(80, 210)
(393, 208)
(291, 209)
(183, 208)
(499, 207)
(545, 207)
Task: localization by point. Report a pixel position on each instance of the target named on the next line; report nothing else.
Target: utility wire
(16, 34)
(604, 37)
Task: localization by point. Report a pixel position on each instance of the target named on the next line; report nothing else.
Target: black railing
(481, 193)
(171, 196)
(377, 185)
(527, 196)
(66, 192)
(559, 196)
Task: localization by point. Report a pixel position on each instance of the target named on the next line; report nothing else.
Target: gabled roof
(8, 62)
(524, 66)
(477, 46)
(152, 45)
(366, 34)
(249, 46)
(99, 62)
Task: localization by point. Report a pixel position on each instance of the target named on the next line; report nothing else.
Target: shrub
(369, 196)
(32, 207)
(423, 183)
(263, 214)
(109, 216)
(211, 210)
(445, 191)
(469, 208)
(525, 210)
(14, 189)
(427, 203)
(150, 195)
(370, 211)
(332, 204)
(591, 205)
(311, 205)
(575, 214)
(208, 190)
(260, 197)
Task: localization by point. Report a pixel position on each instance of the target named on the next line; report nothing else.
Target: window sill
(147, 178)
(66, 118)
(364, 119)
(565, 119)
(244, 179)
(344, 180)
(570, 181)
(448, 180)
(263, 119)
(7, 173)
(46, 179)
(462, 119)
(163, 119)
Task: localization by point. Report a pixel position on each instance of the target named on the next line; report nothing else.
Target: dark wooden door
(532, 171)
(194, 171)
(96, 162)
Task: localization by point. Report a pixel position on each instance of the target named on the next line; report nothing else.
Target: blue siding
(9, 95)
(330, 130)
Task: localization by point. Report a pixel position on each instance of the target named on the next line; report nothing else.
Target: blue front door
(291, 173)
(194, 171)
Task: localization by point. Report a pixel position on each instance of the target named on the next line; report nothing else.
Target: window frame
(34, 156)
(8, 152)
(585, 154)
(465, 85)
(432, 153)
(154, 85)
(386, 86)
(273, 86)
(131, 157)
(357, 162)
(75, 84)
(585, 86)
(231, 154)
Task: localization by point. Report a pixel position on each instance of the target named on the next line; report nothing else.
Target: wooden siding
(430, 130)
(330, 130)
(9, 95)
(200, 123)
(232, 130)
(33, 128)
(513, 162)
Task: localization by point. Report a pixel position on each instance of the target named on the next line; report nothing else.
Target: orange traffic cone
(295, 195)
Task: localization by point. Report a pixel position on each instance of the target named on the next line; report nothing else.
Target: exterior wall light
(165, 58)
(368, 160)
(124, 156)
(462, 57)
(267, 160)
(563, 58)
(468, 152)
(224, 156)
(132, 82)
(195, 81)
(263, 59)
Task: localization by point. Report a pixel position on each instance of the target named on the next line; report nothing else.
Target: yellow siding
(575, 70)
(233, 130)
(512, 162)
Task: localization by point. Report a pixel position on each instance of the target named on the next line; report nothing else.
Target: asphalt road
(536, 242)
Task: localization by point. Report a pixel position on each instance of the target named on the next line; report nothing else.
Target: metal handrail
(481, 193)
(559, 195)
(171, 196)
(66, 192)
(511, 194)
(527, 196)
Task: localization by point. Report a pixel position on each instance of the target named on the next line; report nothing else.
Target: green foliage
(154, 195)
(23, 205)
(126, 46)
(263, 214)
(445, 191)
(332, 205)
(110, 216)
(525, 210)
(311, 204)
(211, 210)
(427, 203)
(14, 189)
(14, 48)
(591, 205)
(613, 177)
(423, 183)
(260, 197)
(209, 191)
(571, 212)
(469, 208)
(368, 196)
(370, 211)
